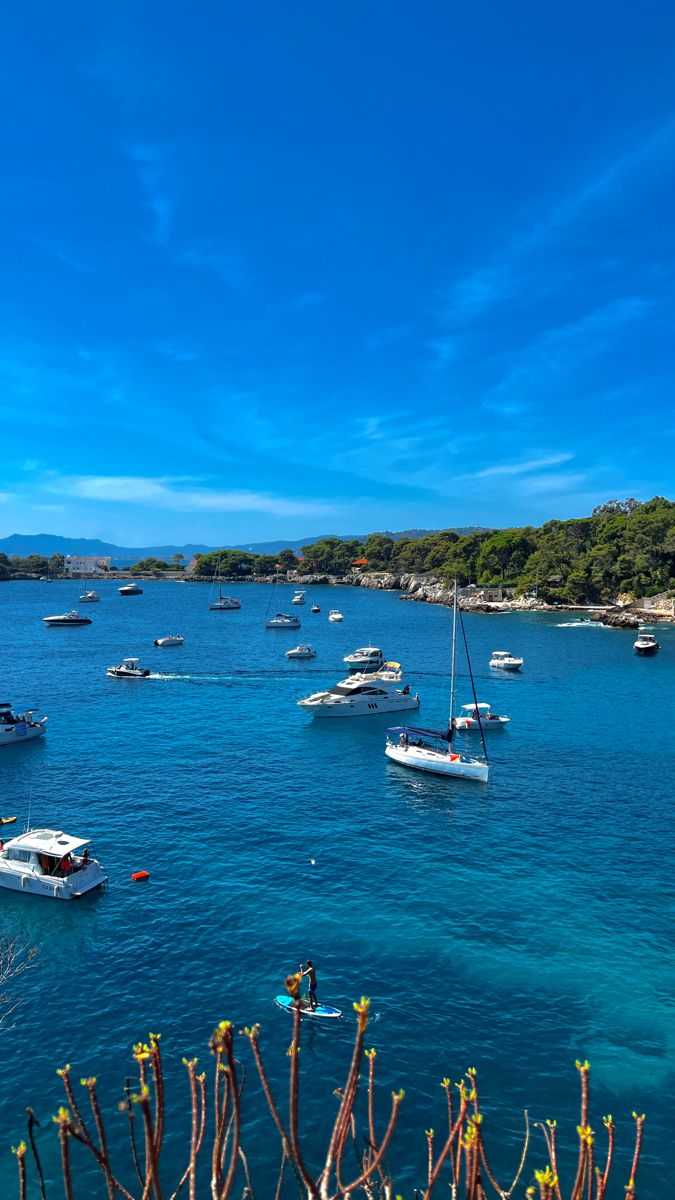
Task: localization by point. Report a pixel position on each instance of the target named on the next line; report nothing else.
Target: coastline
(427, 589)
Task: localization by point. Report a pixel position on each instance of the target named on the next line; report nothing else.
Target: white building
(76, 565)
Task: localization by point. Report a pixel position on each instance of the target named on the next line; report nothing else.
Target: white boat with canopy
(129, 668)
(299, 597)
(47, 862)
(504, 660)
(301, 652)
(366, 658)
(335, 615)
(431, 750)
(19, 727)
(474, 717)
(363, 695)
(645, 644)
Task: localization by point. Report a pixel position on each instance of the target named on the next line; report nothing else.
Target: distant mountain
(123, 556)
(52, 543)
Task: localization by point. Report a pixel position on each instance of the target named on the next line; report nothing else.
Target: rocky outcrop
(616, 619)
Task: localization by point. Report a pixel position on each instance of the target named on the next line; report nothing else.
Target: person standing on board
(311, 973)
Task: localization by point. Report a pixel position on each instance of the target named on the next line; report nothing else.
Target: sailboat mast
(454, 658)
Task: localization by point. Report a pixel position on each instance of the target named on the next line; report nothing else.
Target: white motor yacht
(174, 639)
(505, 660)
(130, 589)
(301, 652)
(645, 643)
(283, 621)
(89, 598)
(71, 618)
(129, 668)
(367, 658)
(316, 608)
(335, 615)
(299, 597)
(468, 719)
(47, 862)
(362, 695)
(18, 727)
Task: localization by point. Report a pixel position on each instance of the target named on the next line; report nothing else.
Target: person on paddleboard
(311, 974)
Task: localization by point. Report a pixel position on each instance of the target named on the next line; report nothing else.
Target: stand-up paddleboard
(321, 1010)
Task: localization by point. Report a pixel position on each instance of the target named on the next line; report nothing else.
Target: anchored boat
(47, 862)
(431, 750)
(18, 727)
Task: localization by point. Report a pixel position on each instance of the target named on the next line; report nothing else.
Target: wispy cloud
(308, 300)
(385, 337)
(520, 468)
(551, 483)
(505, 277)
(562, 349)
(175, 495)
(149, 160)
(223, 261)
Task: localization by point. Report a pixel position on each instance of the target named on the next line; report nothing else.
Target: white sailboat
(279, 620)
(223, 603)
(431, 749)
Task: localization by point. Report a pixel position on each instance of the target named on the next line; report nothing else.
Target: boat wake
(578, 624)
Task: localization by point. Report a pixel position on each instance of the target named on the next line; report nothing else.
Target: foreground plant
(457, 1162)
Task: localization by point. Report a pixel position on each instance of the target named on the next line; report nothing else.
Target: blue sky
(274, 271)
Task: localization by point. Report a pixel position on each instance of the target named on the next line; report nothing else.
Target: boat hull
(435, 762)
(282, 625)
(468, 725)
(115, 674)
(70, 888)
(373, 708)
(645, 651)
(60, 621)
(10, 737)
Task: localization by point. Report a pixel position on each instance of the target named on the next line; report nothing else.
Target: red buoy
(137, 875)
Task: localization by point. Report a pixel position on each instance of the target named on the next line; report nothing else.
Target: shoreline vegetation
(620, 559)
(357, 1159)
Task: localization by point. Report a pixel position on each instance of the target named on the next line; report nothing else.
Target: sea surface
(514, 926)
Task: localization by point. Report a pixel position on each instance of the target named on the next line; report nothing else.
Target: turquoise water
(513, 927)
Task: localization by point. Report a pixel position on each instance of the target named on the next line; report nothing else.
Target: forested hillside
(624, 546)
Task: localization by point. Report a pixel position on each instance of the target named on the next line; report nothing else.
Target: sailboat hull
(438, 762)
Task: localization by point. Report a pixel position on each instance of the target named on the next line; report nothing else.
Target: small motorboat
(504, 660)
(299, 597)
(173, 639)
(130, 589)
(89, 598)
(468, 720)
(18, 727)
(367, 658)
(335, 615)
(283, 621)
(645, 644)
(71, 618)
(316, 608)
(301, 652)
(47, 862)
(129, 668)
